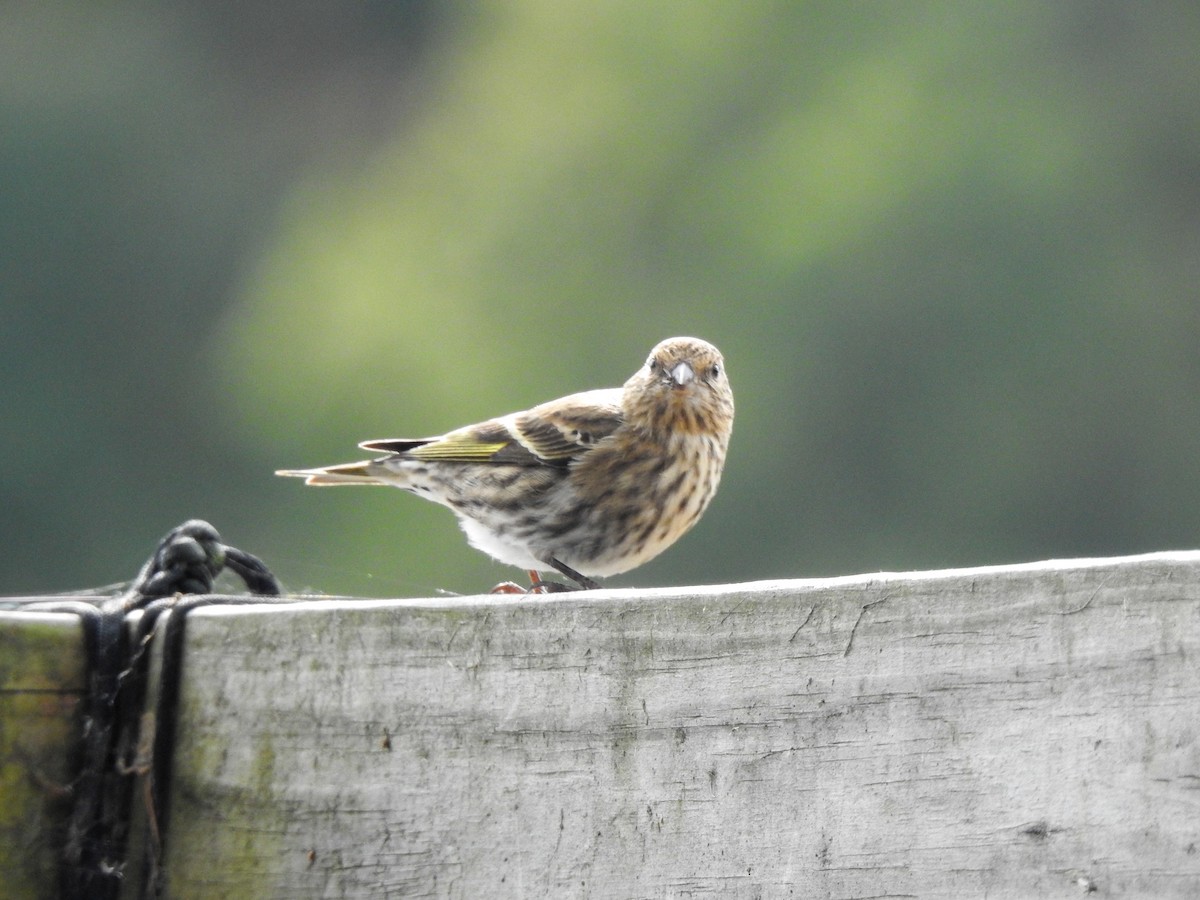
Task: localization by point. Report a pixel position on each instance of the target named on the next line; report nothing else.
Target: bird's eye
(652, 364)
(714, 371)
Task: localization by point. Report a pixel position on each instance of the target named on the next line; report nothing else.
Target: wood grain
(1029, 731)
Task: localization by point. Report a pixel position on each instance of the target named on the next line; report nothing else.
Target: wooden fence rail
(1007, 732)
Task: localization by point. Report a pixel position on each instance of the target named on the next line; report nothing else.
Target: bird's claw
(538, 587)
(508, 587)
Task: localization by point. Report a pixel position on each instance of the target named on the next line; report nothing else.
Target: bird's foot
(538, 585)
(550, 587)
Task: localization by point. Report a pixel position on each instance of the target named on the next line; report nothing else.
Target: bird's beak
(682, 374)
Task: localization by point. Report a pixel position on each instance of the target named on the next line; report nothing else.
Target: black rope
(119, 741)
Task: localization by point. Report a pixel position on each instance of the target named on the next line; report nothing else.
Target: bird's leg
(539, 586)
(582, 580)
(550, 587)
(536, 585)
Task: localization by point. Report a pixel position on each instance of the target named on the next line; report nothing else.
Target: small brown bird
(591, 484)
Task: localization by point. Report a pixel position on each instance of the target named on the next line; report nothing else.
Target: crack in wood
(800, 627)
(862, 612)
(1088, 601)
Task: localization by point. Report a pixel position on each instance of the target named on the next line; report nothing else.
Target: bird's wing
(551, 434)
(476, 443)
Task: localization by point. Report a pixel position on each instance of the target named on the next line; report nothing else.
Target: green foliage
(947, 248)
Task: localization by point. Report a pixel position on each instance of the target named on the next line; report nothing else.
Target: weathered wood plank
(42, 684)
(1004, 732)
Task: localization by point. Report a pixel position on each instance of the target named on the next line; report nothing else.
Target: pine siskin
(591, 484)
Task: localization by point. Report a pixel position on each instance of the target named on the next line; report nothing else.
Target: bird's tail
(348, 473)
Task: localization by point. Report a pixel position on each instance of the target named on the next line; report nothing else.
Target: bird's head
(681, 388)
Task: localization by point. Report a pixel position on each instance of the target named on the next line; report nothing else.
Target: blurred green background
(950, 250)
